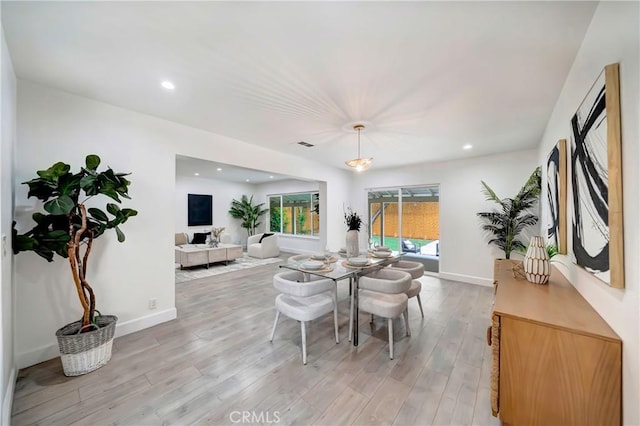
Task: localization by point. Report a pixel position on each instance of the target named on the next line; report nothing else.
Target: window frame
(313, 195)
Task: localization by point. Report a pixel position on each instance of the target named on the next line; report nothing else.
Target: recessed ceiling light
(467, 146)
(168, 85)
(248, 180)
(219, 169)
(197, 174)
(270, 177)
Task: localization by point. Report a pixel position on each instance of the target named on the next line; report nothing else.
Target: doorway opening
(407, 219)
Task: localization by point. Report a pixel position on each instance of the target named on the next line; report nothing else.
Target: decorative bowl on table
(312, 265)
(381, 253)
(318, 256)
(358, 261)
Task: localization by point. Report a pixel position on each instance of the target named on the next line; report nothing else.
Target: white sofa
(268, 247)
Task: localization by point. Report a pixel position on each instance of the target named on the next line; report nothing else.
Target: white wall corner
(7, 400)
(36, 356)
(466, 279)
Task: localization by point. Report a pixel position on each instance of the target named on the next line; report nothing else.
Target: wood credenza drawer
(555, 360)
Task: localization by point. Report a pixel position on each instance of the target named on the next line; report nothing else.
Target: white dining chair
(416, 270)
(305, 301)
(382, 293)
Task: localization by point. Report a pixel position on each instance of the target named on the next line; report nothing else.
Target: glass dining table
(338, 268)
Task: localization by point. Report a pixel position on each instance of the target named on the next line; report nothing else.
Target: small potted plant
(68, 228)
(215, 236)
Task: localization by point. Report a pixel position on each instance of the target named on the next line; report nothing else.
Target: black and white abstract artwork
(553, 197)
(590, 183)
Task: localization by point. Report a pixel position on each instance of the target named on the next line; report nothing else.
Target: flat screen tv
(199, 210)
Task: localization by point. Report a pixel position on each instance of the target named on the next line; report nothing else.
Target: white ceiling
(198, 168)
(425, 77)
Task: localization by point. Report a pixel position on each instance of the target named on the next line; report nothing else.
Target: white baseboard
(7, 400)
(124, 328)
(467, 279)
(47, 352)
(36, 356)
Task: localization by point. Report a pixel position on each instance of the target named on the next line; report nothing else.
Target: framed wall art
(199, 210)
(596, 181)
(557, 196)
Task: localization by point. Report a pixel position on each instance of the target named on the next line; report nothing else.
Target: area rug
(244, 262)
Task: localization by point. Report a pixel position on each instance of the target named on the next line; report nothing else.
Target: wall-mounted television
(200, 210)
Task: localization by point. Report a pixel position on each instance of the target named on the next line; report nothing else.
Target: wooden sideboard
(555, 360)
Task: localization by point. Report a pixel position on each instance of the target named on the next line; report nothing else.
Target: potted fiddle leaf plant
(68, 228)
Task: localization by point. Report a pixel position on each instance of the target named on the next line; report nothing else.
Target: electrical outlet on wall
(153, 303)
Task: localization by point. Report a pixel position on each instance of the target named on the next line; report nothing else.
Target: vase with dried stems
(353, 221)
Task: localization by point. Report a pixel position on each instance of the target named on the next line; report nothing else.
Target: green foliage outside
(275, 219)
(301, 219)
(392, 242)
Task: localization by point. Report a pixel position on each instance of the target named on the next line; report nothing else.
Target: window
(406, 219)
(295, 214)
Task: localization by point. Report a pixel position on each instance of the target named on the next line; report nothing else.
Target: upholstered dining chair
(382, 293)
(416, 270)
(304, 302)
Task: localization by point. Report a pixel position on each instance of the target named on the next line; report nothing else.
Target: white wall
(222, 192)
(334, 187)
(291, 243)
(613, 36)
(7, 144)
(464, 253)
(52, 126)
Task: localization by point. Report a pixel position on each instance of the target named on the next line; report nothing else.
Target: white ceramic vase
(536, 262)
(353, 250)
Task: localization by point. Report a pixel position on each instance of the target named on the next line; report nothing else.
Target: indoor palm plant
(68, 228)
(245, 210)
(512, 216)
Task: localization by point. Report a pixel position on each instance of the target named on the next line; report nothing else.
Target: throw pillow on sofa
(200, 237)
(265, 235)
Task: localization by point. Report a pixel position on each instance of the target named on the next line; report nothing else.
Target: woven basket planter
(82, 353)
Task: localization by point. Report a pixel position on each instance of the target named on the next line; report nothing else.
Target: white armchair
(263, 247)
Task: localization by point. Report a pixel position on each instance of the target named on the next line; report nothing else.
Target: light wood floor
(215, 364)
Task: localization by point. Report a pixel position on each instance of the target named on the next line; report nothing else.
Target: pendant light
(359, 164)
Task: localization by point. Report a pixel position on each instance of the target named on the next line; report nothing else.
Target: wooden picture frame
(596, 179)
(557, 196)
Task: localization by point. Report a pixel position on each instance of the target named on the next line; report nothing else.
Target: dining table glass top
(337, 267)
